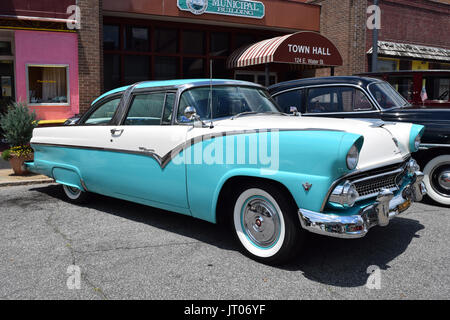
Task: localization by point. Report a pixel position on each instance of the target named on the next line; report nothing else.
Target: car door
(144, 171)
(339, 102)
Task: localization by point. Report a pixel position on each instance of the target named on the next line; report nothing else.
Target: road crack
(69, 245)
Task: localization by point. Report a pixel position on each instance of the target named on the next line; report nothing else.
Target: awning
(406, 50)
(305, 48)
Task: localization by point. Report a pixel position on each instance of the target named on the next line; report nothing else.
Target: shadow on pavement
(336, 262)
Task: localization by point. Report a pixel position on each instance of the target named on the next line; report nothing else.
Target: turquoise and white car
(221, 151)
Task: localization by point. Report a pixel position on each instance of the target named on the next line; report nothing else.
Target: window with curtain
(47, 84)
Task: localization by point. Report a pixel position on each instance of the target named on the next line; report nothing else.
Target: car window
(360, 101)
(146, 109)
(103, 114)
(337, 99)
(290, 99)
(225, 101)
(321, 100)
(168, 108)
(437, 88)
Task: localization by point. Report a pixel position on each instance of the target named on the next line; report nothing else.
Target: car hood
(384, 143)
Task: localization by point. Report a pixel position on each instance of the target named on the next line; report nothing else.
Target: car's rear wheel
(437, 179)
(75, 195)
(265, 223)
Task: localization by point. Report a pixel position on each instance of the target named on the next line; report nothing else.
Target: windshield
(227, 101)
(386, 96)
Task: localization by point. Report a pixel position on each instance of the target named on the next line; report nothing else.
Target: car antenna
(211, 125)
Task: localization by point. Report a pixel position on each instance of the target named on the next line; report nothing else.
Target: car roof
(360, 81)
(177, 83)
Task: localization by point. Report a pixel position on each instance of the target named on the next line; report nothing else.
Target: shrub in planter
(18, 124)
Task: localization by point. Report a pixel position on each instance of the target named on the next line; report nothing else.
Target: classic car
(370, 98)
(221, 151)
(422, 88)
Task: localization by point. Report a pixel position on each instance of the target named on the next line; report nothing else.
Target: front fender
(303, 157)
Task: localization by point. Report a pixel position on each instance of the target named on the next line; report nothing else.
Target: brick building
(58, 70)
(414, 34)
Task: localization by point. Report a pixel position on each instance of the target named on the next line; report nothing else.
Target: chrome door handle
(146, 149)
(114, 131)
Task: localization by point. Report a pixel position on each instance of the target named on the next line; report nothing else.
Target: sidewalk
(8, 178)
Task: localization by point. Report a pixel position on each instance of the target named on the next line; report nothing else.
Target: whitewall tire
(264, 223)
(437, 179)
(75, 195)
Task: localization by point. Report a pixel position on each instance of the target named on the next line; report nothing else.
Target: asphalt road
(129, 251)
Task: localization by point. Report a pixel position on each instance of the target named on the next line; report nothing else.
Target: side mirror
(190, 113)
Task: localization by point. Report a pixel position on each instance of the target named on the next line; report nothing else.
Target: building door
(7, 91)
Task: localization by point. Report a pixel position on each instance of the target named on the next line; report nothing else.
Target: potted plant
(18, 124)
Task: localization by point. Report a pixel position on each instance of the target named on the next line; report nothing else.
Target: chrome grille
(370, 186)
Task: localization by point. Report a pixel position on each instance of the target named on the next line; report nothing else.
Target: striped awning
(308, 48)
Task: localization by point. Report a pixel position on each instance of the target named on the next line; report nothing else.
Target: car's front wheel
(437, 179)
(265, 223)
(75, 195)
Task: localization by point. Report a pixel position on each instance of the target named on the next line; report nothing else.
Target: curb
(25, 182)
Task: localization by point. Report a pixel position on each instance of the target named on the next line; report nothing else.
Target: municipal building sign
(238, 8)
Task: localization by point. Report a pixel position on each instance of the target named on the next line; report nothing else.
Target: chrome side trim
(164, 160)
(433, 145)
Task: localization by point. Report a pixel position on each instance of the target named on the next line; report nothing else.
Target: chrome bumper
(386, 207)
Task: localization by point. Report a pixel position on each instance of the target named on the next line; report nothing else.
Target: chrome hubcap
(444, 180)
(261, 222)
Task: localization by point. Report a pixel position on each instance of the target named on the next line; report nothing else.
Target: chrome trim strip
(379, 175)
(163, 161)
(433, 145)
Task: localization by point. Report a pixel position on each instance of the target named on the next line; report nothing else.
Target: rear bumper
(386, 207)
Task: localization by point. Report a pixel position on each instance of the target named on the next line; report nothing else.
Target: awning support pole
(267, 74)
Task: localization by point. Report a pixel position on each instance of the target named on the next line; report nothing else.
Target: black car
(362, 97)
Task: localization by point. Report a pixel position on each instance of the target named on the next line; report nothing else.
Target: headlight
(352, 157)
(415, 137)
(344, 194)
(417, 142)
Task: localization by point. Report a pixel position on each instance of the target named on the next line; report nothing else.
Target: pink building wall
(40, 47)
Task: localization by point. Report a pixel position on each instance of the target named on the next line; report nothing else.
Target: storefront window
(220, 69)
(193, 68)
(110, 37)
(385, 65)
(219, 44)
(166, 68)
(136, 39)
(48, 84)
(241, 40)
(5, 48)
(111, 71)
(166, 40)
(136, 68)
(155, 50)
(193, 42)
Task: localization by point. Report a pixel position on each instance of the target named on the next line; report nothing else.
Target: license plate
(405, 205)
